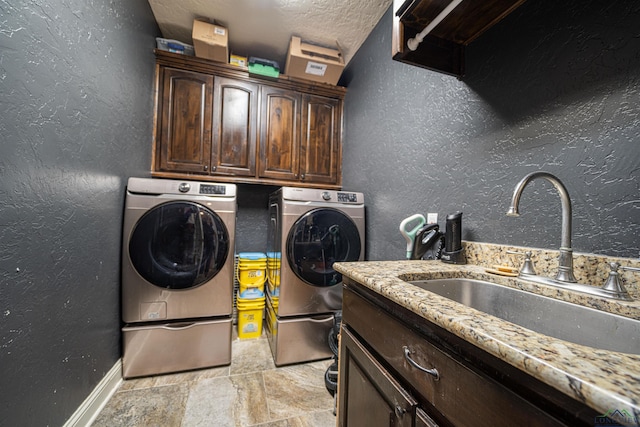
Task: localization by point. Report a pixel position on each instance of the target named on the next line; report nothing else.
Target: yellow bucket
(251, 272)
(273, 272)
(272, 314)
(273, 288)
(250, 313)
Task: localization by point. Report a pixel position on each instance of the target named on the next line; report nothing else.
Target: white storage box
(174, 46)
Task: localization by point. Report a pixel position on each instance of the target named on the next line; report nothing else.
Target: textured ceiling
(263, 28)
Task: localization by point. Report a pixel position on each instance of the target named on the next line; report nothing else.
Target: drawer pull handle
(433, 372)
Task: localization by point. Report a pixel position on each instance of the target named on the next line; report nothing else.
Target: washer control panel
(347, 197)
(212, 189)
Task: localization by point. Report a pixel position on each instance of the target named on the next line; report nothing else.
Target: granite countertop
(601, 379)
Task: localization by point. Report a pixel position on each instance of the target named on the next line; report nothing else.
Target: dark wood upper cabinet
(215, 122)
(443, 49)
(234, 127)
(185, 134)
(320, 153)
(279, 134)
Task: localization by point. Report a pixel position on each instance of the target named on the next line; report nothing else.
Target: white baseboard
(93, 404)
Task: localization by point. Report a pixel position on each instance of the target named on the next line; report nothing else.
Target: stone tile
(137, 383)
(177, 378)
(295, 390)
(250, 356)
(313, 419)
(234, 395)
(237, 400)
(156, 406)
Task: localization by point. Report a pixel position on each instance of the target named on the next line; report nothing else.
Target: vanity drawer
(459, 394)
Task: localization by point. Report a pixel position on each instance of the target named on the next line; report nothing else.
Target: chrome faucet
(565, 259)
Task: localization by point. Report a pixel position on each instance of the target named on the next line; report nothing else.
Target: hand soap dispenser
(453, 251)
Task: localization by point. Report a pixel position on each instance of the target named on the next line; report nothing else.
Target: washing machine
(309, 230)
(177, 275)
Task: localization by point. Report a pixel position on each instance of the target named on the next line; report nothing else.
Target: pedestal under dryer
(309, 230)
(177, 275)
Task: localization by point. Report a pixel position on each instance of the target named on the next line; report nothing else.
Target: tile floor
(249, 392)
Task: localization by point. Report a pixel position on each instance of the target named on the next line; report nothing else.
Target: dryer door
(318, 239)
(179, 245)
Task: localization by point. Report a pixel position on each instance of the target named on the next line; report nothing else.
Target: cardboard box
(210, 41)
(309, 62)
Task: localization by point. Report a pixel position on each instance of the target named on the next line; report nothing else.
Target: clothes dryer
(309, 230)
(177, 275)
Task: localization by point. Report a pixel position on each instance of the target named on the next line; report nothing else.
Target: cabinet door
(368, 395)
(279, 134)
(234, 131)
(320, 148)
(424, 420)
(185, 121)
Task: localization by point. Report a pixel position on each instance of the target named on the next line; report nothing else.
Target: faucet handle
(614, 285)
(527, 267)
(628, 268)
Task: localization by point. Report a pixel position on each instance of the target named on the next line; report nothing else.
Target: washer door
(317, 240)
(179, 245)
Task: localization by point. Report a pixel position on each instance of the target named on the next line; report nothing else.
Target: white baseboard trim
(93, 404)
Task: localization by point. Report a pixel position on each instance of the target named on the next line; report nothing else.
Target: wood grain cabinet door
(320, 148)
(185, 121)
(424, 420)
(368, 395)
(279, 134)
(234, 128)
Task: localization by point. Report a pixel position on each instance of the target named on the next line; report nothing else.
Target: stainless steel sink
(548, 316)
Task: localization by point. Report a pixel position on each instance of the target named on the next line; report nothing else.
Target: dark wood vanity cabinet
(371, 396)
(397, 369)
(219, 123)
(443, 48)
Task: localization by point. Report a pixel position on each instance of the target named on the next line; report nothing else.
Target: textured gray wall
(76, 83)
(253, 217)
(555, 87)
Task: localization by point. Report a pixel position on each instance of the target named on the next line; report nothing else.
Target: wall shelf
(443, 49)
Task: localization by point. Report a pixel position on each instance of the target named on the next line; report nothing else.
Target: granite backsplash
(589, 269)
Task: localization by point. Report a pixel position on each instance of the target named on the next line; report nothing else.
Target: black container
(453, 251)
(428, 243)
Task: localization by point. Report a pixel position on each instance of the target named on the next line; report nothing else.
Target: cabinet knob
(213, 168)
(302, 176)
(206, 168)
(399, 411)
(433, 372)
